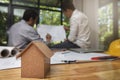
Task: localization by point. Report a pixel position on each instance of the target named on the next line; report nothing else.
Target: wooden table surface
(109, 70)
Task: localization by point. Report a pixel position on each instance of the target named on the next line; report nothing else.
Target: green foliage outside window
(106, 25)
(4, 1)
(3, 33)
(50, 17)
(66, 24)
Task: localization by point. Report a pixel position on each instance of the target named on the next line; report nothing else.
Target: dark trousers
(66, 44)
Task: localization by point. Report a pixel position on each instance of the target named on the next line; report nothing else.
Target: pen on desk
(79, 61)
(105, 58)
(64, 52)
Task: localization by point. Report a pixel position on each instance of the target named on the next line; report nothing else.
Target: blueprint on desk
(12, 62)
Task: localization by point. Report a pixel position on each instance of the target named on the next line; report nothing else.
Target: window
(18, 13)
(106, 24)
(52, 3)
(50, 17)
(109, 22)
(3, 25)
(31, 3)
(4, 1)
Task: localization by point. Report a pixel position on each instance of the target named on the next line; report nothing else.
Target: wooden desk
(79, 71)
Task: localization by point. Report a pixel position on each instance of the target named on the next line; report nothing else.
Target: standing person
(22, 33)
(79, 35)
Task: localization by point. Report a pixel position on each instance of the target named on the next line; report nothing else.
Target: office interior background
(103, 15)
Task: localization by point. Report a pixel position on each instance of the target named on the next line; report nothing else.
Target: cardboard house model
(35, 60)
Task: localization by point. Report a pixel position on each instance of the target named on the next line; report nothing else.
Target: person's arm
(31, 35)
(73, 30)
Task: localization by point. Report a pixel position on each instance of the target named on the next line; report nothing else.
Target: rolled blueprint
(6, 51)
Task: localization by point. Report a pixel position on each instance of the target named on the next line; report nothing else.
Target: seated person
(22, 33)
(79, 36)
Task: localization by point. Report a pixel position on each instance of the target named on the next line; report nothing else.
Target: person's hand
(48, 37)
(66, 39)
(66, 28)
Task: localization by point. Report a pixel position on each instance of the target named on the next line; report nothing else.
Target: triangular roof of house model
(41, 46)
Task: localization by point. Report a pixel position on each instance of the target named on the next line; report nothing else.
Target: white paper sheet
(59, 56)
(8, 63)
(57, 32)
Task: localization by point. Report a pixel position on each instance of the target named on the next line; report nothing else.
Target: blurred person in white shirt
(79, 36)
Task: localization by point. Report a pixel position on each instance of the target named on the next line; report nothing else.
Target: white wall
(78, 4)
(90, 8)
